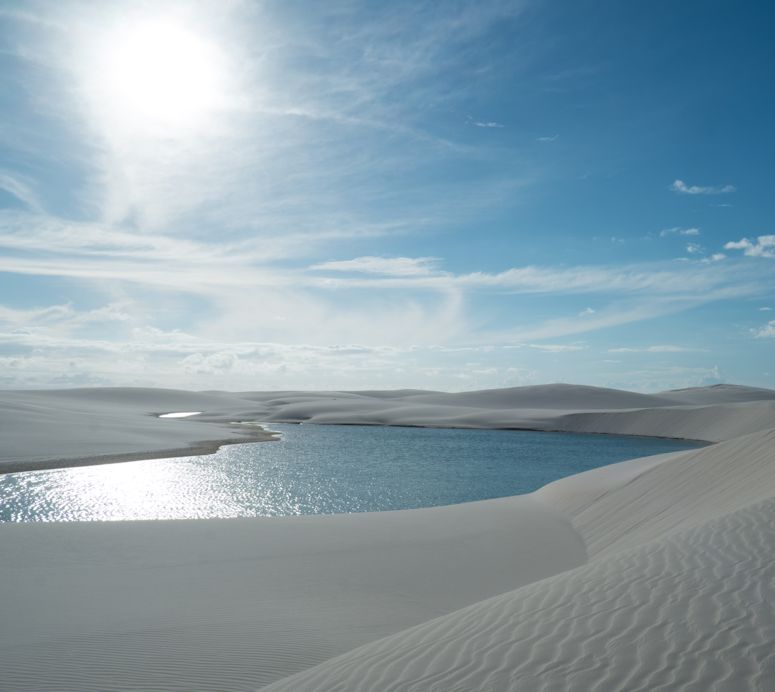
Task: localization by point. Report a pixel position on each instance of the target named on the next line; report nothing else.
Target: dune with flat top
(656, 573)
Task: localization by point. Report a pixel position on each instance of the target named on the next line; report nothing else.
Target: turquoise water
(319, 470)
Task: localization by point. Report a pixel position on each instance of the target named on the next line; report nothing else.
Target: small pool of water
(180, 414)
(319, 470)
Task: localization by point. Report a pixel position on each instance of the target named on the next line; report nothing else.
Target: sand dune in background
(43, 429)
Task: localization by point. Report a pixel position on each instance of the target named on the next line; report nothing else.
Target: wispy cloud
(63, 314)
(679, 230)
(664, 348)
(765, 332)
(313, 127)
(51, 247)
(22, 189)
(558, 348)
(550, 138)
(389, 266)
(763, 246)
(615, 314)
(681, 187)
(484, 123)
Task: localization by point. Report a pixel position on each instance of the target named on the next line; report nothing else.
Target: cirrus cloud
(388, 266)
(681, 187)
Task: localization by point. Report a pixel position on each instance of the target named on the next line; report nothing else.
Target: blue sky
(449, 195)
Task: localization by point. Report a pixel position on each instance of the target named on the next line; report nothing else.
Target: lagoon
(316, 469)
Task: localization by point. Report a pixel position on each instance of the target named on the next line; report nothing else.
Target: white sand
(43, 429)
(651, 574)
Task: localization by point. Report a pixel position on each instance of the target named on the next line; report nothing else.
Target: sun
(159, 77)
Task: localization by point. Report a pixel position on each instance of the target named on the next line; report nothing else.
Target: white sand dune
(43, 429)
(712, 423)
(551, 396)
(233, 604)
(674, 492)
(651, 574)
(690, 612)
(678, 593)
(717, 394)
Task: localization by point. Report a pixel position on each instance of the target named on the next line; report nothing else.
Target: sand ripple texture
(694, 611)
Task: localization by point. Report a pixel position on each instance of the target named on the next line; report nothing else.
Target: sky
(351, 194)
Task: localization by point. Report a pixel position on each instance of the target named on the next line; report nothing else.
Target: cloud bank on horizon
(358, 195)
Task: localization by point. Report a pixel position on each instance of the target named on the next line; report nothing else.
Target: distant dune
(58, 427)
(655, 573)
(717, 394)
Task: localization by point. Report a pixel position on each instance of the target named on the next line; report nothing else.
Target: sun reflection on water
(316, 470)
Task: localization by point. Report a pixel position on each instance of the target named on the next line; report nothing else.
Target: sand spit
(651, 574)
(68, 427)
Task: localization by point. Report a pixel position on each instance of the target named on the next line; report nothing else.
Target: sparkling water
(316, 469)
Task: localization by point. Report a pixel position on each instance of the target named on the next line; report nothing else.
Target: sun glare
(159, 77)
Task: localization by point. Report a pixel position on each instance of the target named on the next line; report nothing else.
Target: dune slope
(232, 604)
(677, 594)
(692, 611)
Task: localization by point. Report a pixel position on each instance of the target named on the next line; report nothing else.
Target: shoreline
(58, 428)
(208, 447)
(199, 448)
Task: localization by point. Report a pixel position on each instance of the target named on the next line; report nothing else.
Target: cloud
(21, 188)
(211, 364)
(303, 139)
(763, 246)
(654, 279)
(765, 309)
(658, 378)
(368, 299)
(552, 138)
(679, 230)
(63, 315)
(683, 188)
(694, 248)
(587, 311)
(665, 348)
(558, 348)
(57, 248)
(765, 332)
(389, 266)
(489, 124)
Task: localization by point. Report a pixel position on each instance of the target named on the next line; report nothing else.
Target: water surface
(319, 470)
